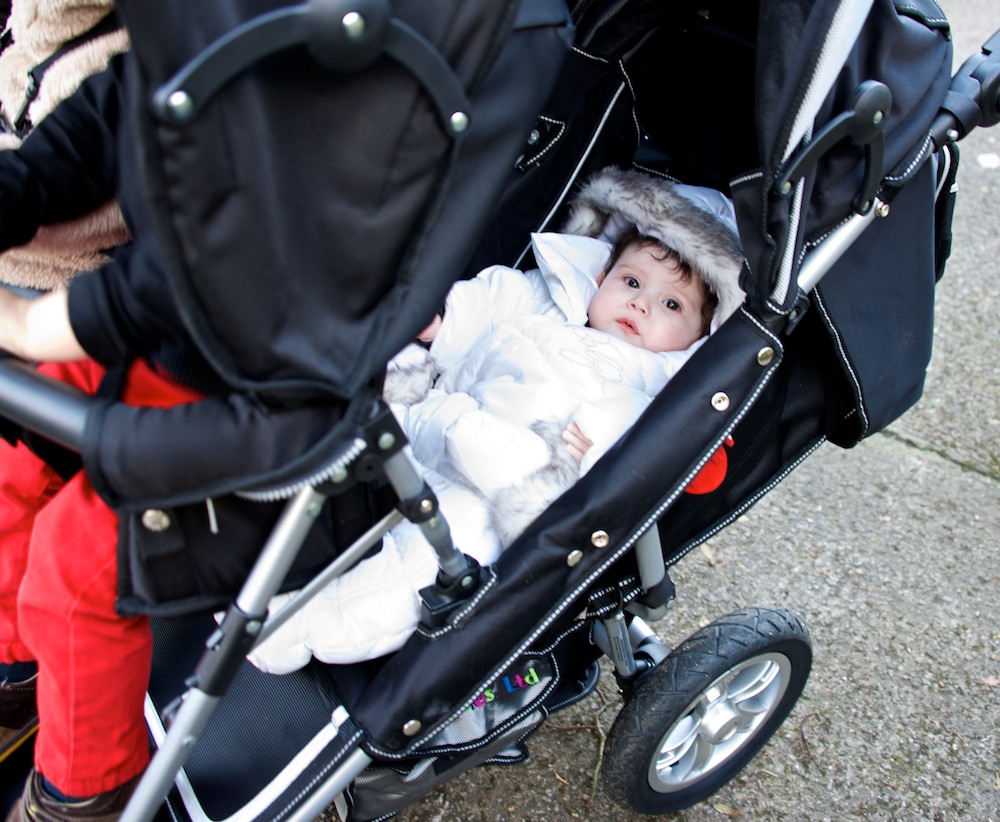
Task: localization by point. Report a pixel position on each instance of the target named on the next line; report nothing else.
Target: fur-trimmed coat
(38, 29)
(516, 365)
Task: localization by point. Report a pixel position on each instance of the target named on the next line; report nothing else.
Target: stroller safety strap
(342, 35)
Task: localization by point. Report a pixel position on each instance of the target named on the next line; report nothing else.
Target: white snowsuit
(517, 364)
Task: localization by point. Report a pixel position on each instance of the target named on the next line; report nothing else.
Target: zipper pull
(21, 124)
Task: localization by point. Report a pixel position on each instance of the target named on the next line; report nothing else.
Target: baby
(647, 296)
(536, 374)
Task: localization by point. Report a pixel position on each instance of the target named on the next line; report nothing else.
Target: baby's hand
(429, 333)
(576, 443)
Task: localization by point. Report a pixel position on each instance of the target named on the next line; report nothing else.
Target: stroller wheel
(695, 720)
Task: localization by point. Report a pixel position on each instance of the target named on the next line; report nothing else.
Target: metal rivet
(426, 506)
(786, 189)
(339, 474)
(952, 135)
(181, 104)
(765, 356)
(254, 626)
(459, 122)
(878, 117)
(882, 209)
(600, 539)
(574, 558)
(156, 520)
(314, 508)
(720, 401)
(386, 441)
(534, 136)
(354, 25)
(412, 728)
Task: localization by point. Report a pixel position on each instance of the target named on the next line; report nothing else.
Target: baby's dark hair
(633, 238)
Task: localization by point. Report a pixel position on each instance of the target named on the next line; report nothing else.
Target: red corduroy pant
(58, 584)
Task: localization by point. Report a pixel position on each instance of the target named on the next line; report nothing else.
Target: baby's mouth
(628, 326)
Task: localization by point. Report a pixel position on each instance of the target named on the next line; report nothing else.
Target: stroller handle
(42, 404)
(342, 36)
(973, 98)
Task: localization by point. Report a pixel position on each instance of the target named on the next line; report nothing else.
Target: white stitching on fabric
(535, 158)
(456, 620)
(319, 776)
(588, 55)
(631, 88)
(576, 171)
(518, 716)
(655, 172)
(919, 12)
(547, 650)
(916, 160)
(746, 178)
(843, 355)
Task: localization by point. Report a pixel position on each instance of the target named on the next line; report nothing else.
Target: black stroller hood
(319, 172)
(858, 85)
(845, 96)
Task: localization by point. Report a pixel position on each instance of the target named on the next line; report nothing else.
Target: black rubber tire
(750, 639)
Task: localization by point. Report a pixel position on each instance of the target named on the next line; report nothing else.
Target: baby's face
(644, 301)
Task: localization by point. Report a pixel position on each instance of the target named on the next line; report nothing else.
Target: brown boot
(35, 805)
(18, 714)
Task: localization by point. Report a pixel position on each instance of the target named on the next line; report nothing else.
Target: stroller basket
(434, 140)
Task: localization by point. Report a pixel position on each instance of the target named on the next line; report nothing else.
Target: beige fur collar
(39, 28)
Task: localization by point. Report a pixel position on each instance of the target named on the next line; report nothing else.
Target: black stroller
(423, 141)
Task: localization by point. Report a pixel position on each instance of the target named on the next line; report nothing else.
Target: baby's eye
(671, 304)
(631, 282)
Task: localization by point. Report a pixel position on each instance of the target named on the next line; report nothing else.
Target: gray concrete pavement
(889, 552)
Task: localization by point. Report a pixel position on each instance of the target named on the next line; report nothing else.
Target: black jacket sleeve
(67, 165)
(124, 309)
(75, 160)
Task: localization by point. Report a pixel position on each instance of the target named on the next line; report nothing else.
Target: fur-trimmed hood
(684, 217)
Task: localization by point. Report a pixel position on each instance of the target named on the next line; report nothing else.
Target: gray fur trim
(513, 509)
(409, 376)
(655, 208)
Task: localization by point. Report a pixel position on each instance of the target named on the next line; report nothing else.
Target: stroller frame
(52, 408)
(60, 415)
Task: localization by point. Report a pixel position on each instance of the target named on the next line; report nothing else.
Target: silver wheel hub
(719, 721)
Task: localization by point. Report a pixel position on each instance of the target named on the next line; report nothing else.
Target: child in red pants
(58, 574)
(58, 583)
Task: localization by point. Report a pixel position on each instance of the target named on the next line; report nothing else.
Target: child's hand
(429, 333)
(38, 329)
(576, 443)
